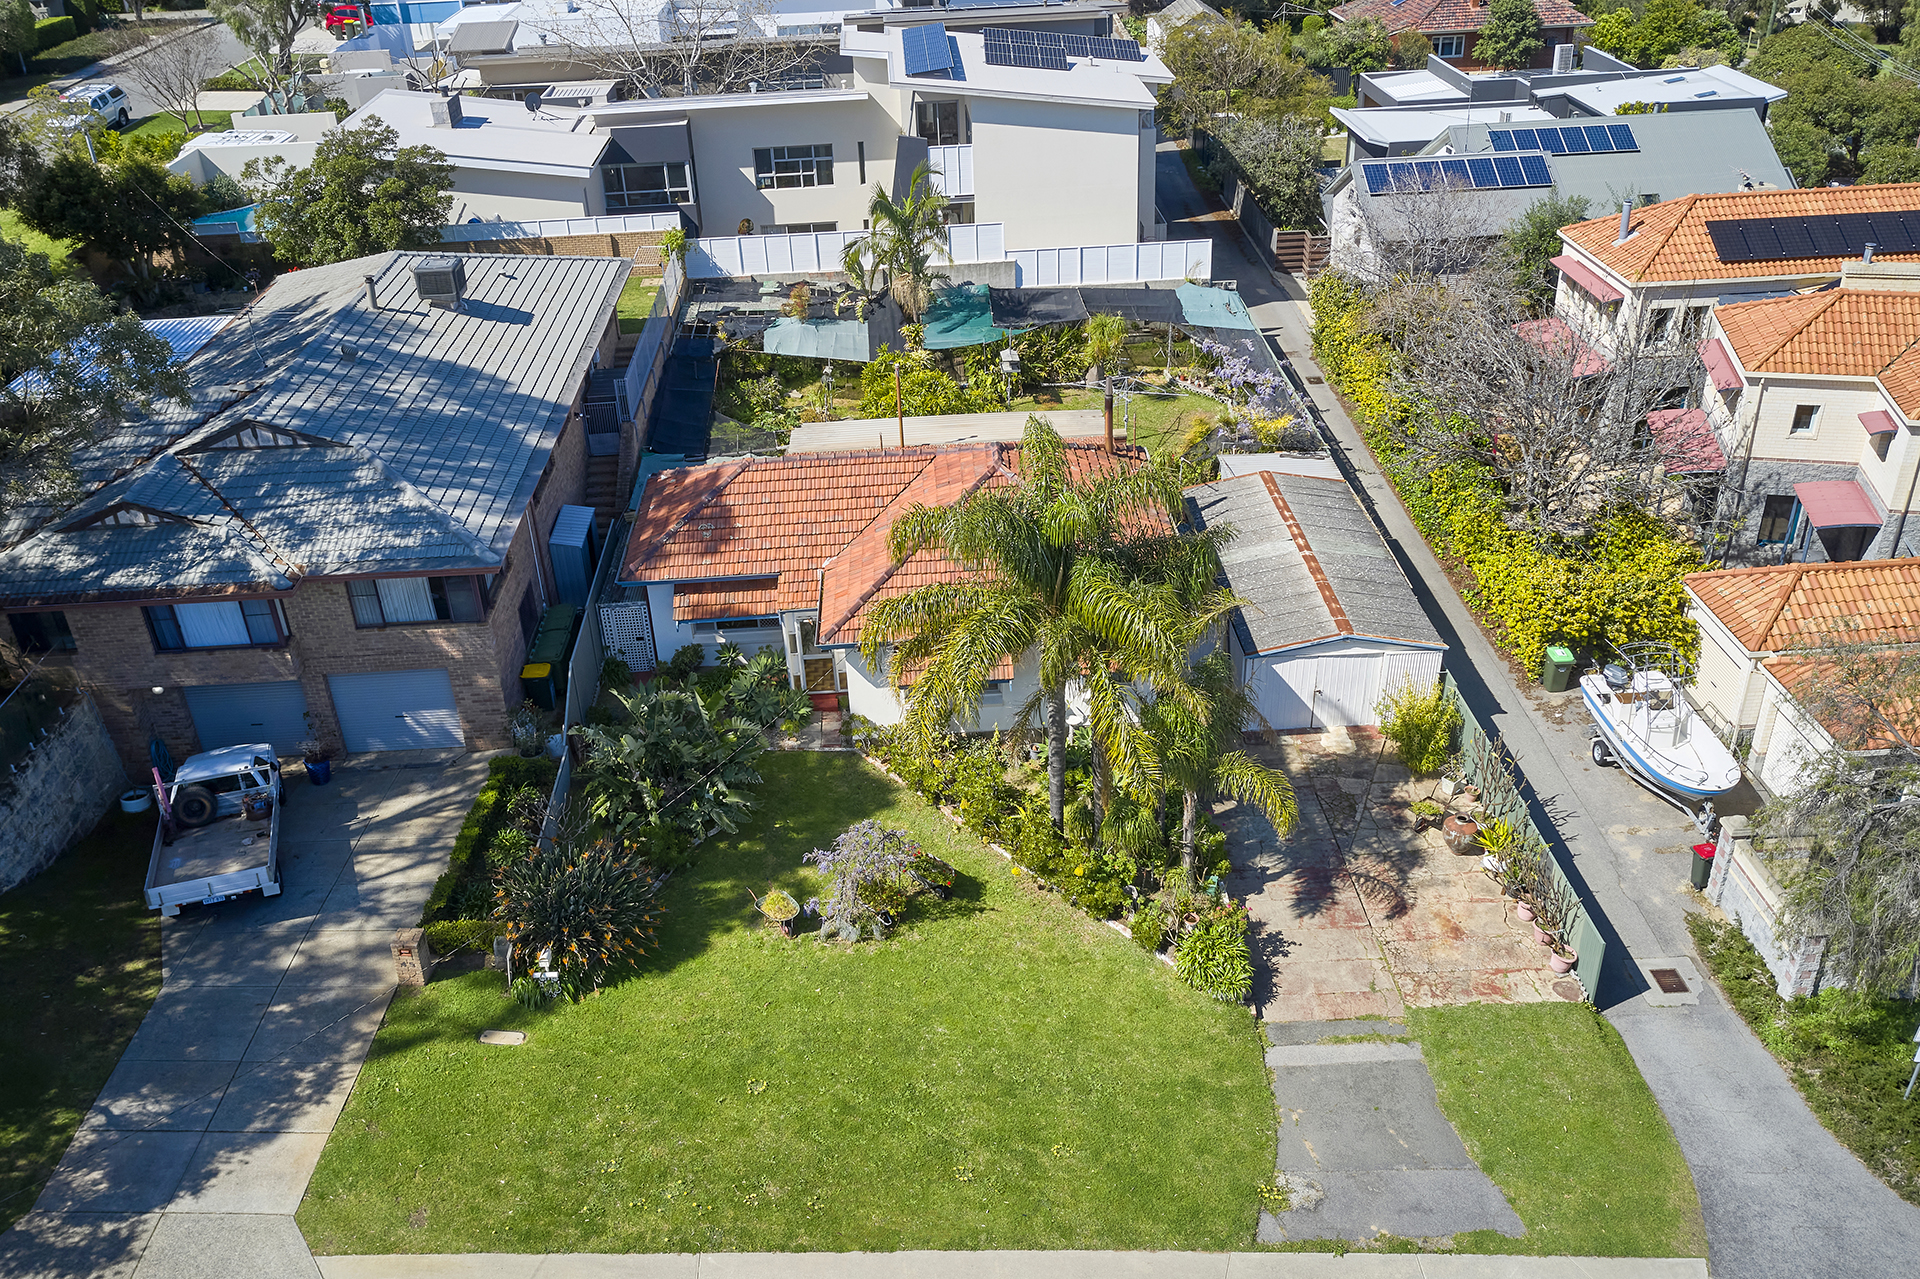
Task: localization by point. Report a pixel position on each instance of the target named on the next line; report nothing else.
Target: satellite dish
(533, 103)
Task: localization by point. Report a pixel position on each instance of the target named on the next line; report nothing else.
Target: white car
(107, 102)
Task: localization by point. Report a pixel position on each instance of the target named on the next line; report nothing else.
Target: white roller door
(396, 710)
(242, 714)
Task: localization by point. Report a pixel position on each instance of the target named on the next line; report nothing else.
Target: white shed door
(1348, 689)
(242, 714)
(1283, 691)
(396, 710)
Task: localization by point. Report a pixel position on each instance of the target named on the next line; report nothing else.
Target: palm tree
(1069, 567)
(1196, 756)
(1106, 343)
(908, 237)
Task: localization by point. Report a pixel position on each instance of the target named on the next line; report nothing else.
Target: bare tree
(1570, 435)
(1431, 227)
(174, 72)
(684, 46)
(267, 28)
(1845, 845)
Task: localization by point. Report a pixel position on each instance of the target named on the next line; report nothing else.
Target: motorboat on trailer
(1644, 724)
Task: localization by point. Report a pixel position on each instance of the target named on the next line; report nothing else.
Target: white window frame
(1811, 430)
(788, 167)
(1454, 46)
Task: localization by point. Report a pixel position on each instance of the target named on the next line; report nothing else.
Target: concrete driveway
(197, 1151)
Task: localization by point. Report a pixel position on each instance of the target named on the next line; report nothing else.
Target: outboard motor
(1618, 677)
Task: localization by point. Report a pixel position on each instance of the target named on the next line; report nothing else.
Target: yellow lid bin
(536, 684)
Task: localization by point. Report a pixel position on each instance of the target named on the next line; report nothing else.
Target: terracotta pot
(1461, 834)
(1540, 935)
(1523, 910)
(1561, 963)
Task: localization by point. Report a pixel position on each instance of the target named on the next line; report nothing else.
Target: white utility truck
(219, 832)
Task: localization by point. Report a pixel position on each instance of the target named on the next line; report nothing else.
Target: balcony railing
(952, 171)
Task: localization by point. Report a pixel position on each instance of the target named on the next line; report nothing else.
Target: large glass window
(809, 166)
(394, 601)
(228, 624)
(1449, 46)
(48, 633)
(1779, 517)
(938, 123)
(645, 186)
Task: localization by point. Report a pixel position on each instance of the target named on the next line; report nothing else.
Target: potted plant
(1498, 839)
(318, 757)
(933, 874)
(1460, 833)
(779, 908)
(1562, 960)
(1425, 813)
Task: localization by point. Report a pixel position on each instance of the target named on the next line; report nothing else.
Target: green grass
(12, 228)
(166, 122)
(1850, 1057)
(1002, 1073)
(636, 302)
(81, 954)
(1551, 1106)
(63, 59)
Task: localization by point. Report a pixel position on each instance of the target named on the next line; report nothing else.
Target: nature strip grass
(1002, 1073)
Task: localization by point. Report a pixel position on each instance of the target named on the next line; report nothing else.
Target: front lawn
(1002, 1073)
(1850, 1057)
(1551, 1106)
(56, 251)
(81, 954)
(166, 122)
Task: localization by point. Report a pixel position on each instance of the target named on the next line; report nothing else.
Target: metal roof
(1309, 564)
(402, 438)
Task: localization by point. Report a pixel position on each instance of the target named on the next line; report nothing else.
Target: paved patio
(1357, 915)
(198, 1149)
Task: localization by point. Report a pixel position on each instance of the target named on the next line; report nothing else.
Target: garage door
(1283, 691)
(396, 710)
(242, 714)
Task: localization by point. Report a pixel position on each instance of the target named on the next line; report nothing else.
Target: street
(1781, 1196)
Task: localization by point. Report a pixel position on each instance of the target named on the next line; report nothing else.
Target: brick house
(344, 534)
(1454, 25)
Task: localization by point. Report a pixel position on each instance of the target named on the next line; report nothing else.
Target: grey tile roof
(424, 432)
(1279, 566)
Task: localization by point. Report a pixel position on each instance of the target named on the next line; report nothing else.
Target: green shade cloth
(961, 316)
(819, 339)
(1213, 308)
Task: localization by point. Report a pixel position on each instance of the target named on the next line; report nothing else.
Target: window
(392, 601)
(995, 692)
(1805, 418)
(782, 167)
(1450, 46)
(1695, 327)
(938, 123)
(959, 213)
(239, 624)
(1779, 518)
(804, 228)
(1880, 442)
(1659, 323)
(529, 614)
(644, 186)
(42, 632)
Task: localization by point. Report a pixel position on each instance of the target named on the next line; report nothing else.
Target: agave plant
(590, 905)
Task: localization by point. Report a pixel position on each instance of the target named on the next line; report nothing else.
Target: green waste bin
(1559, 668)
(1702, 865)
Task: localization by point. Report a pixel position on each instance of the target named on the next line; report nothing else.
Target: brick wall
(641, 246)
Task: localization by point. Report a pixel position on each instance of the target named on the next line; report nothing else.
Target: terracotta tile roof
(722, 601)
(810, 530)
(1855, 732)
(1840, 332)
(1770, 610)
(1670, 240)
(1450, 15)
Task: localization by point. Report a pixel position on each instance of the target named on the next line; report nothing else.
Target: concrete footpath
(1781, 1197)
(1006, 1265)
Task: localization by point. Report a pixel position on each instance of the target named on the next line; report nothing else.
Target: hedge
(1618, 585)
(51, 31)
(505, 775)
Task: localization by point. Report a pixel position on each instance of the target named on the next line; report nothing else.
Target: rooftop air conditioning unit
(440, 281)
(1562, 59)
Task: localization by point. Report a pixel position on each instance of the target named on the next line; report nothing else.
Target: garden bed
(1001, 1073)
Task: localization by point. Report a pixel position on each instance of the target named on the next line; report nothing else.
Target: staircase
(603, 491)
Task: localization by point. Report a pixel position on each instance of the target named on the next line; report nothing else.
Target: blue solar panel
(1536, 171)
(1103, 47)
(1454, 173)
(1575, 141)
(1010, 53)
(1549, 140)
(1483, 172)
(1597, 137)
(1404, 176)
(1502, 139)
(1378, 179)
(926, 49)
(1623, 139)
(1509, 170)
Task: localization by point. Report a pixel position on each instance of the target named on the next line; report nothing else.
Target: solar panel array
(1049, 51)
(1567, 139)
(1480, 172)
(1832, 236)
(927, 49)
